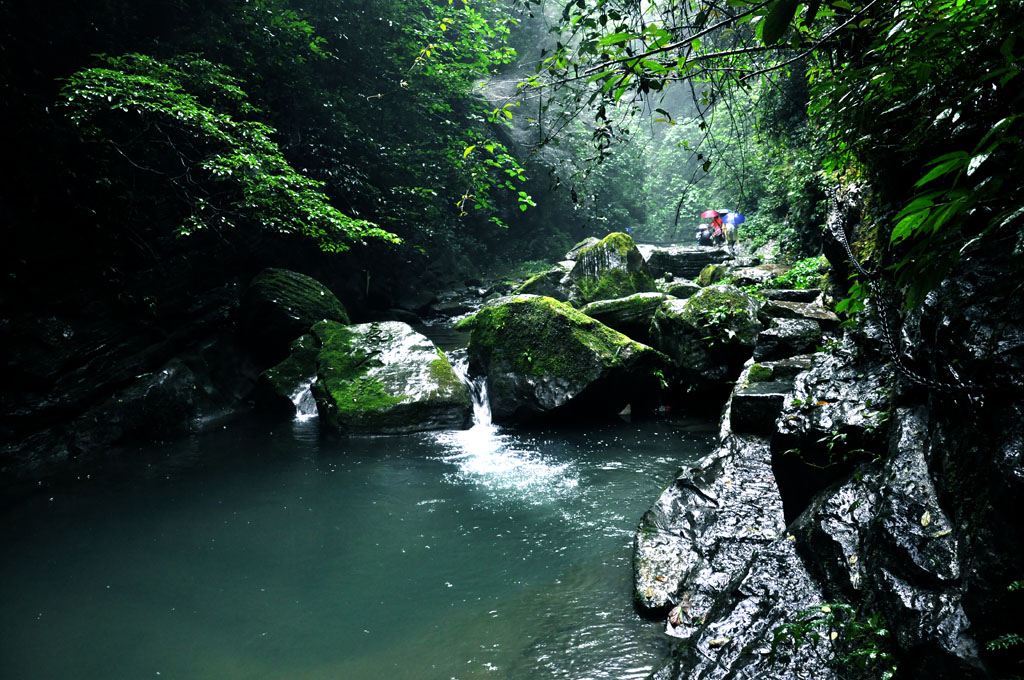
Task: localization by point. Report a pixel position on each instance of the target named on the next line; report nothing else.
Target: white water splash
(504, 463)
(477, 388)
(305, 404)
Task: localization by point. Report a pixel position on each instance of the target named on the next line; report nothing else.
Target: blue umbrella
(735, 218)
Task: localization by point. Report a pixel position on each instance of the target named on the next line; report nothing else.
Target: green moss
(466, 324)
(759, 373)
(342, 366)
(712, 274)
(614, 283)
(611, 268)
(442, 373)
(301, 298)
(537, 336)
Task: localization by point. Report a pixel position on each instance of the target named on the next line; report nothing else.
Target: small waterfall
(477, 388)
(305, 404)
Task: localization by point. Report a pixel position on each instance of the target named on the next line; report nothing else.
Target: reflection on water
(505, 464)
(278, 553)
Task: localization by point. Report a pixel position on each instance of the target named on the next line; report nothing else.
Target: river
(271, 551)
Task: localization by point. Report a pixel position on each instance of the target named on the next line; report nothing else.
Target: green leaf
(908, 225)
(468, 150)
(952, 162)
(777, 21)
(615, 39)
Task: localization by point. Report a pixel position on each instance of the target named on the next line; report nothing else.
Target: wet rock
(833, 532)
(793, 294)
(554, 283)
(679, 289)
(841, 404)
(385, 378)
(683, 261)
(787, 338)
(781, 309)
(756, 275)
(756, 406)
(611, 268)
(841, 392)
(542, 356)
(708, 336)
(714, 552)
(280, 305)
(575, 251)
(629, 315)
(789, 368)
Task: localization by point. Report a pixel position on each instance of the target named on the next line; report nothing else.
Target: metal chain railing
(886, 312)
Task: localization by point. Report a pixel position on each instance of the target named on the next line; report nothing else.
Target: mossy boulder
(712, 274)
(385, 378)
(277, 386)
(610, 268)
(708, 336)
(629, 315)
(552, 283)
(542, 357)
(280, 305)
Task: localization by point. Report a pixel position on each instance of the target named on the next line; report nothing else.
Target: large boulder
(280, 305)
(883, 535)
(714, 556)
(384, 377)
(708, 336)
(629, 315)
(610, 268)
(542, 356)
(682, 261)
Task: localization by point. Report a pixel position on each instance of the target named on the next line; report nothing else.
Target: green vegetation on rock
(807, 273)
(537, 335)
(760, 373)
(343, 383)
(611, 268)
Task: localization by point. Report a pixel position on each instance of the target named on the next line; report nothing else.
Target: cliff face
(869, 523)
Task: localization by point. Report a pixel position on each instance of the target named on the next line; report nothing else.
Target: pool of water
(273, 552)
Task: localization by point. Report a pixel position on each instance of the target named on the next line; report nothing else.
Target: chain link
(885, 312)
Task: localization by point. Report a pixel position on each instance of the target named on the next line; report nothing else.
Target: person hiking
(703, 235)
(717, 232)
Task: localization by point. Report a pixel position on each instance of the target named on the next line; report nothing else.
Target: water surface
(276, 553)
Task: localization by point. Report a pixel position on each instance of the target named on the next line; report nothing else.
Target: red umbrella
(709, 213)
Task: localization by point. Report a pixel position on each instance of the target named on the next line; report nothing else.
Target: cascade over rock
(278, 384)
(542, 356)
(385, 378)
